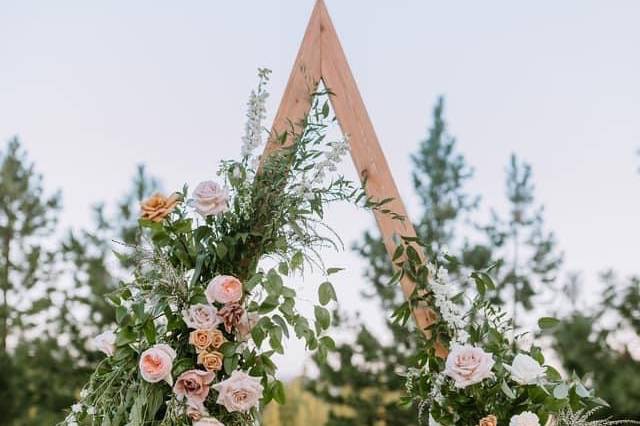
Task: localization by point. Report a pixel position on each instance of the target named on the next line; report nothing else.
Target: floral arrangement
(472, 369)
(207, 306)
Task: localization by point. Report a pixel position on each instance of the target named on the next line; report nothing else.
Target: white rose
(208, 421)
(526, 418)
(240, 392)
(210, 199)
(468, 365)
(106, 342)
(525, 370)
(201, 316)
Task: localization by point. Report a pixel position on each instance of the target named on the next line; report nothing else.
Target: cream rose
(526, 418)
(224, 289)
(156, 363)
(240, 392)
(193, 385)
(525, 370)
(210, 199)
(211, 361)
(208, 421)
(201, 316)
(105, 342)
(468, 365)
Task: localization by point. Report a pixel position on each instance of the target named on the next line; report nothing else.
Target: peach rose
(489, 421)
(211, 361)
(193, 385)
(468, 365)
(157, 207)
(156, 363)
(240, 392)
(224, 289)
(210, 199)
(201, 339)
(201, 316)
(217, 339)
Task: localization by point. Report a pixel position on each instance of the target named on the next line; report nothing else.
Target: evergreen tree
(597, 344)
(52, 293)
(527, 258)
(362, 382)
(27, 261)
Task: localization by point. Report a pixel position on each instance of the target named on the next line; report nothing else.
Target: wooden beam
(321, 57)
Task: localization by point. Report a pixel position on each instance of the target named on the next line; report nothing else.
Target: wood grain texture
(321, 57)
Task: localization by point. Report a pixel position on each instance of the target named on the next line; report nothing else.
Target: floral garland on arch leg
(491, 376)
(207, 306)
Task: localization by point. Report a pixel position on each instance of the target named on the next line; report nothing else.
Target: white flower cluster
(256, 112)
(452, 313)
(329, 164)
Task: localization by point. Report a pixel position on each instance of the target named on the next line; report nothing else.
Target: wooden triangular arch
(321, 58)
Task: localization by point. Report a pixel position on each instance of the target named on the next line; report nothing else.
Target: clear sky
(94, 88)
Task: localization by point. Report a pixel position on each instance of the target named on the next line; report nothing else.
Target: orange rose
(217, 338)
(489, 421)
(201, 339)
(211, 361)
(157, 207)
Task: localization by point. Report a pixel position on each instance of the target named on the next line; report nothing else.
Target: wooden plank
(321, 57)
(366, 152)
(303, 80)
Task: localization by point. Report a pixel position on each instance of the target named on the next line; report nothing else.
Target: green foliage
(527, 258)
(588, 343)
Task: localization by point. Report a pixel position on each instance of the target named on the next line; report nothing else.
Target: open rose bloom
(240, 392)
(210, 199)
(156, 363)
(224, 289)
(468, 365)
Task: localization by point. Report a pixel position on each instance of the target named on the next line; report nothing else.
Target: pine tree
(27, 220)
(364, 383)
(527, 257)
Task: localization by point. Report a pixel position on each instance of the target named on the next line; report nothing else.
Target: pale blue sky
(94, 88)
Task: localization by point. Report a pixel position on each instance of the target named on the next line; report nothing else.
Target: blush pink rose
(106, 342)
(210, 199)
(193, 385)
(224, 289)
(468, 365)
(156, 363)
(240, 392)
(201, 316)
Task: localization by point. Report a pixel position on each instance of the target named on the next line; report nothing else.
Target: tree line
(53, 284)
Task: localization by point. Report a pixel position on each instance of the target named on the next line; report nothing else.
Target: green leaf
(331, 271)
(561, 391)
(230, 364)
(149, 330)
(182, 365)
(277, 391)
(548, 322)
(121, 312)
(297, 260)
(323, 317)
(507, 390)
(326, 293)
(258, 335)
